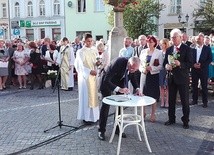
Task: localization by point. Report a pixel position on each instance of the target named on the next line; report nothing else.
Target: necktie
(139, 51)
(177, 49)
(126, 78)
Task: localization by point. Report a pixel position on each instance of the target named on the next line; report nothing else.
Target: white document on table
(118, 98)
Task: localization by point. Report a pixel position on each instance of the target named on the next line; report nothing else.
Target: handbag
(3, 64)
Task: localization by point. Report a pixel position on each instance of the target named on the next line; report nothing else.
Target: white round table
(124, 120)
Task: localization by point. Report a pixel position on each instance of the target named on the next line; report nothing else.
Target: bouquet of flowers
(98, 62)
(175, 56)
(146, 63)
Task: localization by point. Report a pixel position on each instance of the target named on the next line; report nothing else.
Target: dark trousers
(203, 78)
(104, 111)
(184, 95)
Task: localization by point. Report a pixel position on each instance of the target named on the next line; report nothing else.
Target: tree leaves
(204, 17)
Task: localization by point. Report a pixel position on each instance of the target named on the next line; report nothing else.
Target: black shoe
(186, 126)
(204, 105)
(41, 87)
(88, 122)
(70, 88)
(167, 123)
(101, 136)
(193, 103)
(123, 134)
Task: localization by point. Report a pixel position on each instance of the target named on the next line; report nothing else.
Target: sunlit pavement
(25, 114)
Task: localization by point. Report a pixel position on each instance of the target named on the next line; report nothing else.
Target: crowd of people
(158, 68)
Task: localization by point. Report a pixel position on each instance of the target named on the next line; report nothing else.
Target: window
(30, 34)
(56, 34)
(81, 5)
(30, 9)
(80, 34)
(4, 10)
(99, 37)
(17, 10)
(56, 7)
(167, 33)
(175, 6)
(99, 5)
(42, 33)
(42, 8)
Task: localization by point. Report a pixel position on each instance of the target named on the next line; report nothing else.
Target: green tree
(204, 17)
(141, 17)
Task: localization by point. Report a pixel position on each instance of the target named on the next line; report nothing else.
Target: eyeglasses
(174, 37)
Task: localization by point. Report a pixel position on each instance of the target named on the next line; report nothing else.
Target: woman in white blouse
(151, 64)
(51, 57)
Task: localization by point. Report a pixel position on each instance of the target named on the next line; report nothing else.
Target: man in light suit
(114, 80)
(202, 57)
(179, 77)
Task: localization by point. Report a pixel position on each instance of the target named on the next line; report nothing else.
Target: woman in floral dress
(20, 61)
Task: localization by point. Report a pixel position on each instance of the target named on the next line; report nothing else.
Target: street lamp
(183, 22)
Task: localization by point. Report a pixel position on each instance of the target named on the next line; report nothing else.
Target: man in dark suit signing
(202, 57)
(178, 79)
(115, 79)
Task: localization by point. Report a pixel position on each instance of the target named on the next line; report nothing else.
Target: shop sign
(28, 24)
(22, 23)
(14, 24)
(45, 23)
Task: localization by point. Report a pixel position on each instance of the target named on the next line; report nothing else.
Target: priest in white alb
(85, 64)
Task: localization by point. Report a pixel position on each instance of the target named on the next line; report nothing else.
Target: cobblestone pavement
(25, 114)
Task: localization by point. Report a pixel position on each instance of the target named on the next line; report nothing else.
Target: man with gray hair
(202, 57)
(178, 61)
(115, 79)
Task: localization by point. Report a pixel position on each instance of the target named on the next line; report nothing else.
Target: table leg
(137, 125)
(115, 125)
(144, 130)
(120, 125)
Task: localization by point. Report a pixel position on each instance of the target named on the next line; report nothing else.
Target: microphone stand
(57, 84)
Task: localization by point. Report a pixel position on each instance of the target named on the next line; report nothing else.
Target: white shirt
(198, 53)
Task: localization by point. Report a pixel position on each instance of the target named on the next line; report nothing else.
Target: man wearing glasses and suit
(178, 76)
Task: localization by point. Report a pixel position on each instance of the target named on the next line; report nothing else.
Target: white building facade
(37, 19)
(4, 20)
(169, 16)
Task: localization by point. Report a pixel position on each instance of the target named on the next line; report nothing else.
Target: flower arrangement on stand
(51, 74)
(51, 78)
(119, 5)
